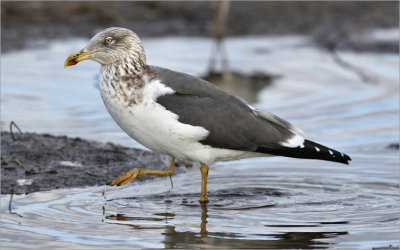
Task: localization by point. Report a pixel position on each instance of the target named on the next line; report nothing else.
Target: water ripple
(255, 203)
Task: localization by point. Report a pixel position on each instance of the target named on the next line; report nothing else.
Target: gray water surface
(272, 202)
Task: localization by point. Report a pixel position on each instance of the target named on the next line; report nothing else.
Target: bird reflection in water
(203, 225)
(122, 217)
(203, 238)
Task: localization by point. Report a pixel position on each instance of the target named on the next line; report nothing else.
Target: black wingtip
(347, 162)
(348, 159)
(311, 150)
(325, 153)
(339, 157)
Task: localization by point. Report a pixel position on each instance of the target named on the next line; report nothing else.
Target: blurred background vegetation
(25, 23)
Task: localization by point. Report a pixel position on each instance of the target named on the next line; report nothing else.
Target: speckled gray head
(111, 46)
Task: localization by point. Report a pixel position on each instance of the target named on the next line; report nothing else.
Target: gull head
(111, 46)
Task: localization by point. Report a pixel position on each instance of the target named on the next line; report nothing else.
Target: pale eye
(109, 40)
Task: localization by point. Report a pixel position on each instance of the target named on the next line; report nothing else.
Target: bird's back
(232, 123)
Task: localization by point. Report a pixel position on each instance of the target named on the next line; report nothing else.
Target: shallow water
(255, 203)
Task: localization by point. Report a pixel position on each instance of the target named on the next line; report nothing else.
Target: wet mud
(40, 162)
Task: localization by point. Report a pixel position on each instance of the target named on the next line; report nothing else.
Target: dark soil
(48, 162)
(329, 23)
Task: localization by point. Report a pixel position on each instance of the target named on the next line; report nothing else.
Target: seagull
(183, 116)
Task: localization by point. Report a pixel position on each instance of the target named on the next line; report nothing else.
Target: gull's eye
(109, 40)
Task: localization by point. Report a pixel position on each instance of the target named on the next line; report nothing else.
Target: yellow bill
(77, 57)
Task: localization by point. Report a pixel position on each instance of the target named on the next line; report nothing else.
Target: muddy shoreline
(32, 162)
(40, 162)
(331, 24)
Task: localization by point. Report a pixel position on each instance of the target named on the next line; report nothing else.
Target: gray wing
(231, 123)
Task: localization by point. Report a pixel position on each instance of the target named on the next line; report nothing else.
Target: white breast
(158, 129)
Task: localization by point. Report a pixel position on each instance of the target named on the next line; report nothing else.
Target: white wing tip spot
(317, 148)
(294, 142)
(330, 152)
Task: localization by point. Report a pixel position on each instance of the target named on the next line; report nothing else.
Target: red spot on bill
(72, 62)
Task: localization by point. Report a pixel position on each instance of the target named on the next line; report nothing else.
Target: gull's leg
(204, 175)
(137, 172)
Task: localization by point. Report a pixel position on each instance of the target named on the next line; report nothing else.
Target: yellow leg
(204, 175)
(137, 172)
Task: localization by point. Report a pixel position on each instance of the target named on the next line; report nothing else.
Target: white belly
(158, 129)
